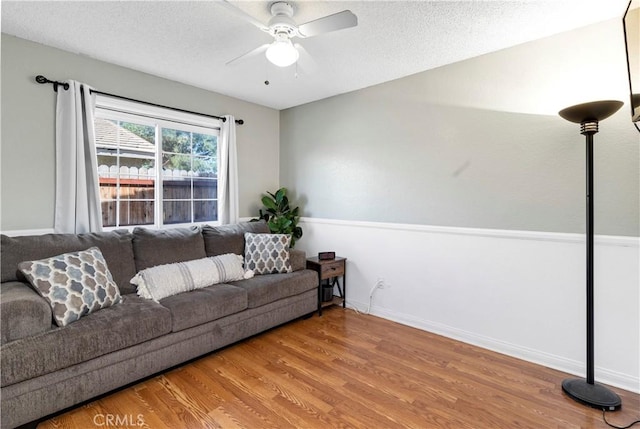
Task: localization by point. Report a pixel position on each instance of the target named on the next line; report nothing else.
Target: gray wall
(474, 144)
(28, 118)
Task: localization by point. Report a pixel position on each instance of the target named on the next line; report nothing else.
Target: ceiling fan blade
(244, 15)
(249, 54)
(337, 21)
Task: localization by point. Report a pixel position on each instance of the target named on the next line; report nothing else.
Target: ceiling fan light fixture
(282, 53)
(282, 27)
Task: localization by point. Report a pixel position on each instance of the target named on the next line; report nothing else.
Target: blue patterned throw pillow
(267, 253)
(74, 284)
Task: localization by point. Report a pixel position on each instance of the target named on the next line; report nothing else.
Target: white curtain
(77, 208)
(228, 173)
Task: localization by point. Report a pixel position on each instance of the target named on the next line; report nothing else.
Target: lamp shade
(282, 53)
(594, 111)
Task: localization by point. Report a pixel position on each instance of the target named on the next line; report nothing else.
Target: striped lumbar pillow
(162, 281)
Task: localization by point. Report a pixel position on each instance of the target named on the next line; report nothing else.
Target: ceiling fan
(283, 28)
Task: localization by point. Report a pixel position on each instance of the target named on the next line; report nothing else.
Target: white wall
(521, 293)
(464, 190)
(28, 119)
(473, 144)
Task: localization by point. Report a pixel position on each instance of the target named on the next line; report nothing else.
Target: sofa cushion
(170, 279)
(298, 259)
(204, 305)
(74, 284)
(165, 246)
(262, 290)
(23, 313)
(132, 322)
(116, 247)
(222, 239)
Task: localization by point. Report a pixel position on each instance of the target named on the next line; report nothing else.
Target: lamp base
(593, 395)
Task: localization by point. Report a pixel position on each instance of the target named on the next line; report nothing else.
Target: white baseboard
(559, 363)
(520, 293)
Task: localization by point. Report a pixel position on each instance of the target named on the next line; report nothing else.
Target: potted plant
(280, 217)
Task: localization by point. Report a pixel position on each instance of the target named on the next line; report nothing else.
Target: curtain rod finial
(42, 80)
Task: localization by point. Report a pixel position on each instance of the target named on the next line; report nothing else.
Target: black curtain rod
(43, 80)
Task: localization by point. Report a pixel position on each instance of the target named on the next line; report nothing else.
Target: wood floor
(348, 370)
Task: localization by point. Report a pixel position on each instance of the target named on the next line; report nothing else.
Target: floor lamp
(587, 391)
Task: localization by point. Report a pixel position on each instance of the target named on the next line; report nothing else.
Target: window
(156, 166)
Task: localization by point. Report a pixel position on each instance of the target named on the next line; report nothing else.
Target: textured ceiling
(190, 41)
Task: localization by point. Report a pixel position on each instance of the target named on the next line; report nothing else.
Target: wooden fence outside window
(182, 192)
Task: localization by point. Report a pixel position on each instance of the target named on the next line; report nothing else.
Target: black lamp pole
(587, 391)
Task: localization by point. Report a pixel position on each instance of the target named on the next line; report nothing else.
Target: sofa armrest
(23, 313)
(298, 259)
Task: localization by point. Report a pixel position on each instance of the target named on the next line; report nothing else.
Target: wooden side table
(330, 270)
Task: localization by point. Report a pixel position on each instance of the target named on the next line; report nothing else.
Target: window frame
(112, 108)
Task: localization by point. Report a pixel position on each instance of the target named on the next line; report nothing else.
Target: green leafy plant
(281, 218)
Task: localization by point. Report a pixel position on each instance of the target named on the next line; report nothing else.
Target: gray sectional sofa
(46, 368)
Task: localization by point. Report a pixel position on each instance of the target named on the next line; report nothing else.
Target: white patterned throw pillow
(74, 284)
(166, 280)
(267, 253)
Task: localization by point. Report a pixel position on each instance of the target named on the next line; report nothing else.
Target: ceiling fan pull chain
(266, 71)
